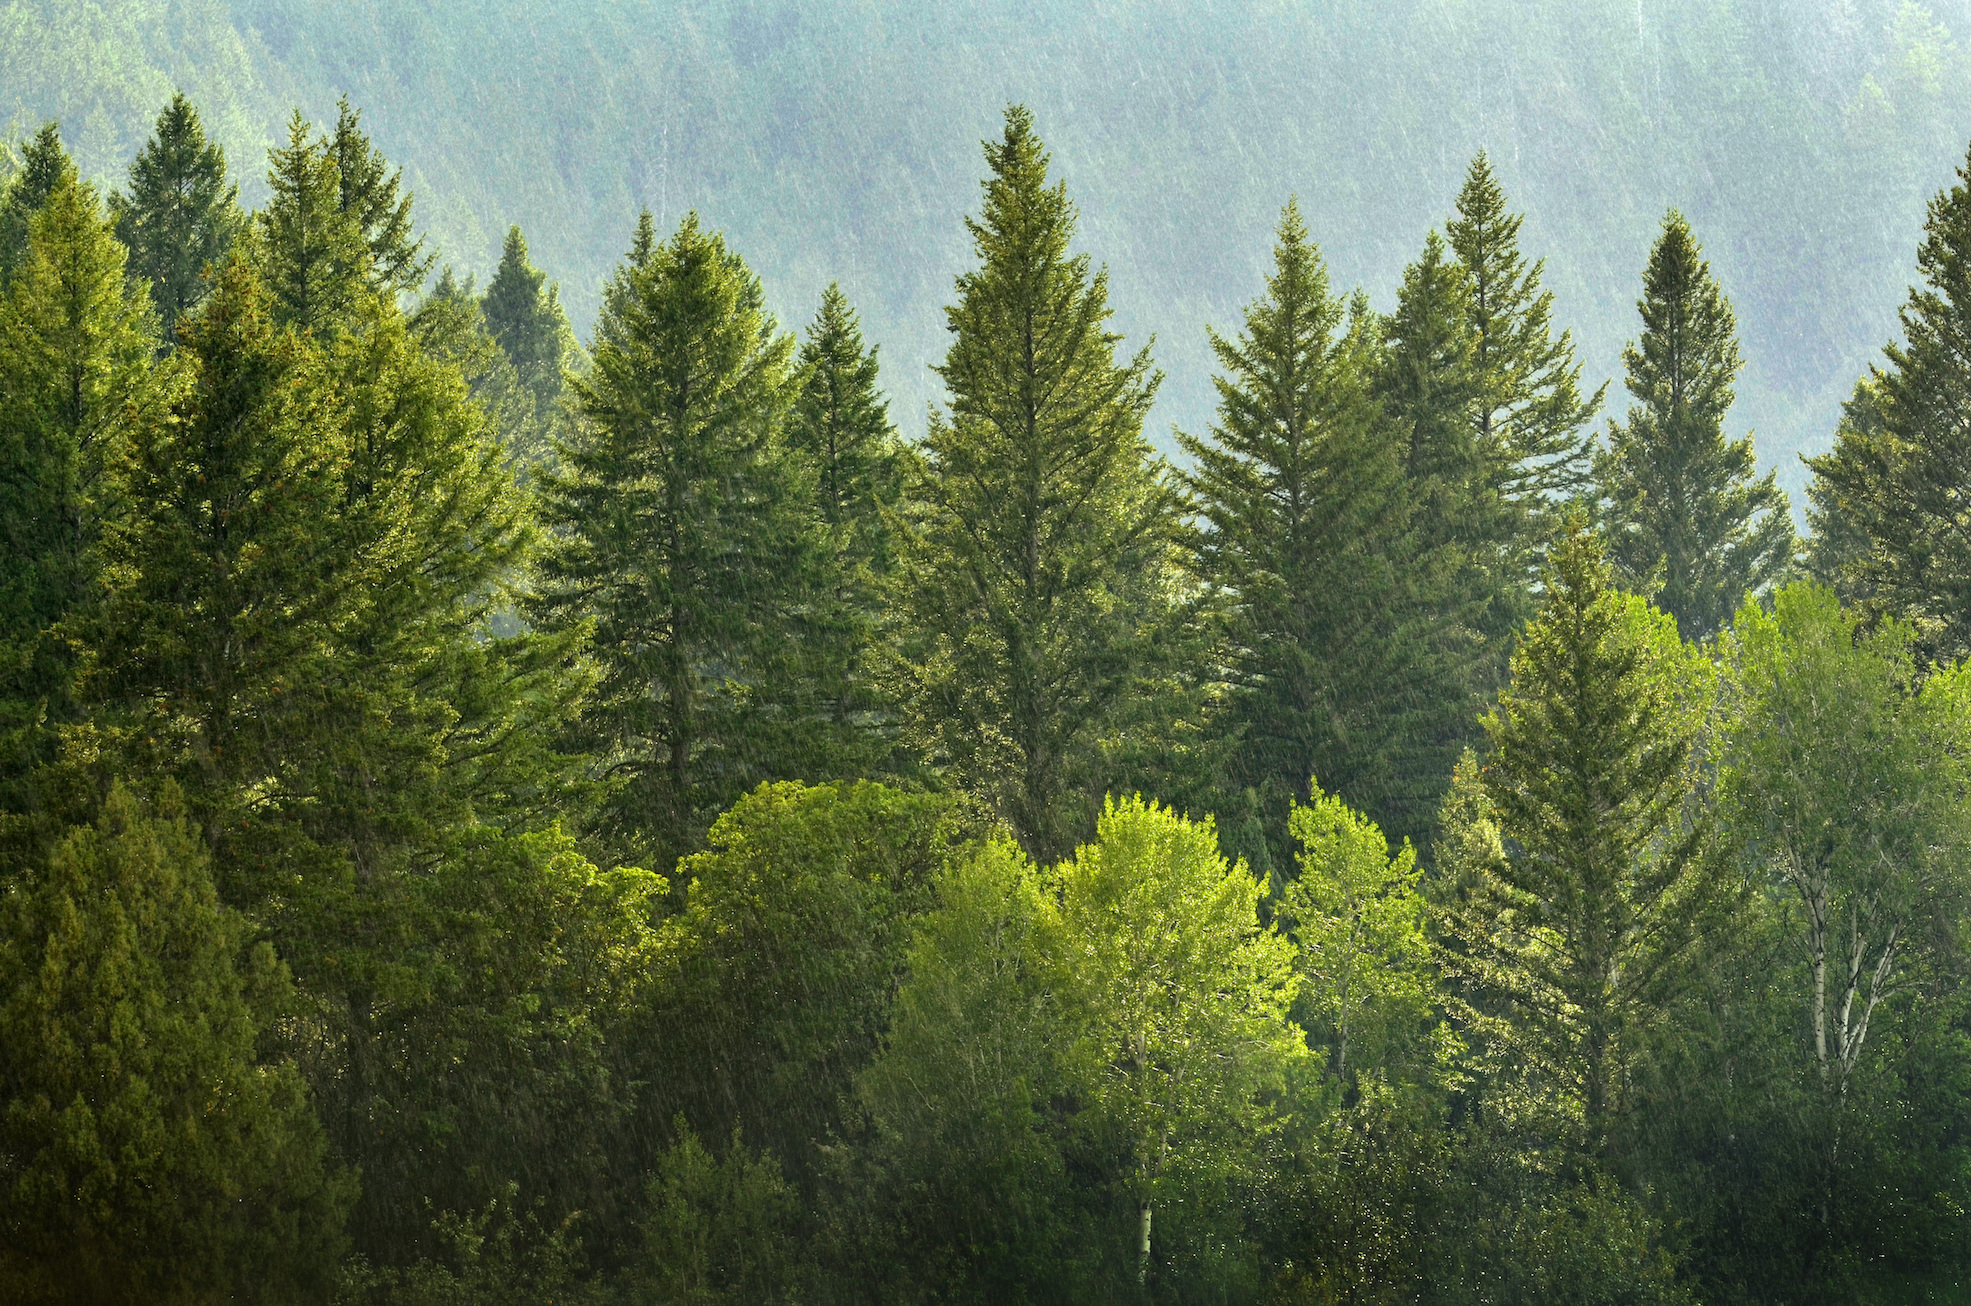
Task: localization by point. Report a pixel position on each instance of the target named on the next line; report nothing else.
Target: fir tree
(450, 325)
(1566, 939)
(76, 371)
(312, 256)
(367, 193)
(1301, 487)
(181, 215)
(1885, 499)
(1684, 511)
(684, 533)
(1036, 567)
(523, 311)
(44, 165)
(1530, 419)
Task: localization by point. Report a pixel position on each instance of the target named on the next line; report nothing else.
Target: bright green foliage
(44, 165)
(1844, 787)
(1356, 913)
(76, 346)
(311, 255)
(181, 215)
(523, 311)
(777, 975)
(1897, 471)
(367, 196)
(1035, 577)
(718, 1230)
(147, 1152)
(1530, 419)
(683, 532)
(1567, 945)
(1684, 515)
(1301, 488)
(841, 427)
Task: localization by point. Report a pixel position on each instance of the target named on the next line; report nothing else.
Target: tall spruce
(683, 531)
(1888, 525)
(76, 343)
(1036, 565)
(1530, 418)
(181, 215)
(368, 194)
(44, 165)
(523, 311)
(1684, 511)
(1301, 486)
(1566, 939)
(311, 255)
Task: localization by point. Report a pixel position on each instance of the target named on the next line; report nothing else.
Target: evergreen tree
(1530, 419)
(1332, 644)
(311, 255)
(1036, 567)
(148, 1151)
(181, 215)
(450, 325)
(685, 534)
(44, 165)
(367, 195)
(1567, 941)
(76, 372)
(1684, 511)
(1885, 497)
(841, 428)
(523, 311)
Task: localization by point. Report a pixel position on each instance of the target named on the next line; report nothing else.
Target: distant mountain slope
(839, 141)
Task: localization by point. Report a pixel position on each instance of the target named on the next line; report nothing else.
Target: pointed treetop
(44, 164)
(369, 195)
(1688, 355)
(181, 213)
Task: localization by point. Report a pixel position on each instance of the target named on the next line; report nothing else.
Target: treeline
(488, 819)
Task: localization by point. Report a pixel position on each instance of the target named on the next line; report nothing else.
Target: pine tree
(684, 533)
(76, 342)
(1036, 568)
(523, 311)
(367, 194)
(1301, 487)
(1886, 496)
(181, 215)
(311, 255)
(1566, 939)
(450, 325)
(148, 1150)
(44, 165)
(1683, 509)
(1531, 422)
(841, 428)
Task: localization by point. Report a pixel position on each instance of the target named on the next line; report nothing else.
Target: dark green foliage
(76, 372)
(1687, 521)
(309, 252)
(1301, 486)
(523, 311)
(1036, 570)
(367, 195)
(44, 165)
(718, 1230)
(683, 532)
(148, 1151)
(181, 215)
(450, 325)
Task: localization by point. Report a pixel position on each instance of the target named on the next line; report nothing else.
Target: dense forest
(497, 815)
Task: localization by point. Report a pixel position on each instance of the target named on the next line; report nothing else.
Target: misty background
(839, 141)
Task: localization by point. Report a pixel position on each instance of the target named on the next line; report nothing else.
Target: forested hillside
(1802, 137)
(509, 805)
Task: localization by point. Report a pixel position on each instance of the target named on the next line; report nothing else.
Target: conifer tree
(523, 311)
(1036, 570)
(1683, 509)
(1530, 419)
(1301, 487)
(1566, 939)
(312, 256)
(148, 1150)
(76, 370)
(1888, 492)
(685, 534)
(44, 165)
(181, 215)
(449, 325)
(367, 193)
